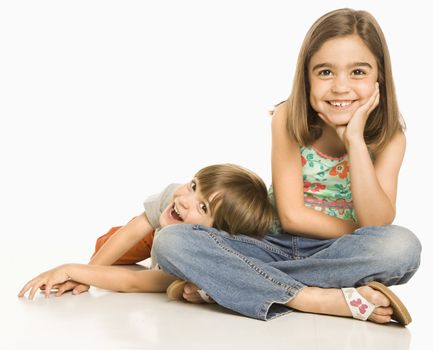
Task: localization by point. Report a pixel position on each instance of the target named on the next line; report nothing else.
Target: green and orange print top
(326, 185)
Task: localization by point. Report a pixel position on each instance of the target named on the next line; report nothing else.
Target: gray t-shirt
(154, 205)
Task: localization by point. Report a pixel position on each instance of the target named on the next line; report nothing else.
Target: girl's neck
(329, 143)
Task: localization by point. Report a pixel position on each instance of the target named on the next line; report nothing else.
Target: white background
(105, 102)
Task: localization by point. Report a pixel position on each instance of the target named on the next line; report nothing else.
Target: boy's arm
(122, 241)
(107, 277)
(117, 245)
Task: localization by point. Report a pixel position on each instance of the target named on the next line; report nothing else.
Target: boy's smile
(175, 213)
(188, 207)
(342, 76)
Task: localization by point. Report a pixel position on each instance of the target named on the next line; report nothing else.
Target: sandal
(175, 292)
(400, 313)
(361, 308)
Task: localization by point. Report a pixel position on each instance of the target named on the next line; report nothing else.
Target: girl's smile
(341, 105)
(342, 76)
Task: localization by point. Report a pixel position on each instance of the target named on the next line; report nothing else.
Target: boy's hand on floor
(75, 287)
(45, 281)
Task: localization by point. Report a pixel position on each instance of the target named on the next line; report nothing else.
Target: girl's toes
(379, 318)
(374, 297)
(383, 311)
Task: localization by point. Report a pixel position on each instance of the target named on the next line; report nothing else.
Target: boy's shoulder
(162, 196)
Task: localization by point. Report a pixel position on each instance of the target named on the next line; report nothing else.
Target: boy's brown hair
(240, 203)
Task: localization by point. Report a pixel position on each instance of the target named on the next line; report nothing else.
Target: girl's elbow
(389, 220)
(381, 220)
(288, 223)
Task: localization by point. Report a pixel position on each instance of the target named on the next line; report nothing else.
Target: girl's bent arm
(374, 187)
(288, 186)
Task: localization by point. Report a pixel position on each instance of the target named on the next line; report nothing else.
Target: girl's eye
(325, 73)
(358, 72)
(203, 207)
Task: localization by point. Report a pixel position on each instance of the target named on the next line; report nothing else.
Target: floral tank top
(326, 185)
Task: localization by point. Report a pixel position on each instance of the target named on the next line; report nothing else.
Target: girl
(338, 145)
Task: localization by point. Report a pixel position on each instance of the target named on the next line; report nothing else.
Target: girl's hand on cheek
(355, 128)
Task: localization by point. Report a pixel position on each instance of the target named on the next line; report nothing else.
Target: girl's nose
(340, 85)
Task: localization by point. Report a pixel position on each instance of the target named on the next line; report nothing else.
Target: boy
(225, 196)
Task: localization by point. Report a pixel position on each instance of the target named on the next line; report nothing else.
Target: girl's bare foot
(332, 302)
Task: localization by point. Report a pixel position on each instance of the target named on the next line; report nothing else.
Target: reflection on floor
(106, 320)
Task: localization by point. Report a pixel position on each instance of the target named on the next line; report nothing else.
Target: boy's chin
(163, 223)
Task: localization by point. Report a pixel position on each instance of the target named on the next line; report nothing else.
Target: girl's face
(188, 206)
(342, 76)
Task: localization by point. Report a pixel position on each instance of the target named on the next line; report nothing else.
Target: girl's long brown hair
(302, 121)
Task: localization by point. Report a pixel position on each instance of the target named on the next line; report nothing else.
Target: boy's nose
(183, 201)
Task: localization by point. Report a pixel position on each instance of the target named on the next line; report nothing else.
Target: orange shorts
(138, 252)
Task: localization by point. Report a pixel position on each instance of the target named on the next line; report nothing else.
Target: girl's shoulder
(283, 140)
(279, 108)
(398, 139)
(399, 136)
(394, 147)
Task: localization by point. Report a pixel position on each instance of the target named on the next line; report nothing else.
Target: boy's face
(188, 206)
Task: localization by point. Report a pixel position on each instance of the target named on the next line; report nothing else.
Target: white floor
(106, 320)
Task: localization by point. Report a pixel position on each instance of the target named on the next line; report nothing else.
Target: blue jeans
(257, 277)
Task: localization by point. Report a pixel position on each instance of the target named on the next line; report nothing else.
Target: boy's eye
(193, 185)
(203, 207)
(325, 73)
